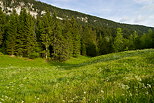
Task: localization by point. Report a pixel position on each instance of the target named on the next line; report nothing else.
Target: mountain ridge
(39, 8)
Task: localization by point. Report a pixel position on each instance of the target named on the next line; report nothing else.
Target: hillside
(118, 77)
(39, 8)
(32, 29)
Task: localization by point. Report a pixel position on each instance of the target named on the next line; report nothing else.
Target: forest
(48, 37)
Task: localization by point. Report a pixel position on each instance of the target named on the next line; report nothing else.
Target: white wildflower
(149, 85)
(131, 94)
(102, 91)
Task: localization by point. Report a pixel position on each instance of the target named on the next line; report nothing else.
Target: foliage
(60, 39)
(118, 44)
(2, 26)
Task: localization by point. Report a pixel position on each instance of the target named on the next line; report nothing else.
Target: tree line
(48, 37)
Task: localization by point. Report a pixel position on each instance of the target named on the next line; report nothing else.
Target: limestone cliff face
(18, 7)
(35, 7)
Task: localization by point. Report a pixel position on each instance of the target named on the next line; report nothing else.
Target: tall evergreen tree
(26, 38)
(89, 42)
(146, 40)
(58, 42)
(2, 26)
(118, 44)
(133, 41)
(105, 44)
(75, 32)
(45, 27)
(12, 33)
(31, 35)
(68, 39)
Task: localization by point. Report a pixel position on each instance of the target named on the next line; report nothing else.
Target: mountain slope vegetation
(27, 31)
(38, 7)
(118, 77)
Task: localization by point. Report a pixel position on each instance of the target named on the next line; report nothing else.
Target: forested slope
(29, 28)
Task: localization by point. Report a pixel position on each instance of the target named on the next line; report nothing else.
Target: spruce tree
(26, 38)
(133, 41)
(31, 35)
(105, 44)
(75, 32)
(68, 39)
(45, 26)
(146, 40)
(118, 41)
(89, 42)
(2, 26)
(59, 42)
(12, 33)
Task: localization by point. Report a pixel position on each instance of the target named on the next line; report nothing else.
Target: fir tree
(31, 35)
(89, 41)
(2, 26)
(45, 26)
(133, 41)
(59, 42)
(26, 38)
(118, 41)
(146, 40)
(68, 39)
(12, 33)
(75, 28)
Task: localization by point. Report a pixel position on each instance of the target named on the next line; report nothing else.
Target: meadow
(125, 77)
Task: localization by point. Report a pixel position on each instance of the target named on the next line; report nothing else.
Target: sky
(124, 11)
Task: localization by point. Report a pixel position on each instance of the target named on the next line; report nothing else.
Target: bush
(1, 53)
(34, 55)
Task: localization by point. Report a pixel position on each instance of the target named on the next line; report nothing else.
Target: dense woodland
(51, 38)
(47, 37)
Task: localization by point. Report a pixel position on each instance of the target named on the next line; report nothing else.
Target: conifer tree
(146, 40)
(68, 39)
(60, 41)
(26, 38)
(31, 35)
(118, 41)
(45, 26)
(89, 41)
(75, 28)
(105, 44)
(2, 26)
(83, 48)
(12, 33)
(133, 41)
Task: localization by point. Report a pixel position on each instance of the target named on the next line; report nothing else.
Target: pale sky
(125, 11)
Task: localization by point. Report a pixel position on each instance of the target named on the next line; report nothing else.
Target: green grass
(126, 77)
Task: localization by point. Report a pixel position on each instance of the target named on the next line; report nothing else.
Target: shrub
(1, 53)
(34, 55)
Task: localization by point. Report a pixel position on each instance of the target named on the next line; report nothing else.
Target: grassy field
(126, 77)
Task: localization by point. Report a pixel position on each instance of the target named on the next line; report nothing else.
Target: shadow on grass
(105, 58)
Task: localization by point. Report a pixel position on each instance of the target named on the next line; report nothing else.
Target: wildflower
(138, 78)
(2, 99)
(84, 92)
(102, 91)
(124, 86)
(130, 94)
(149, 85)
